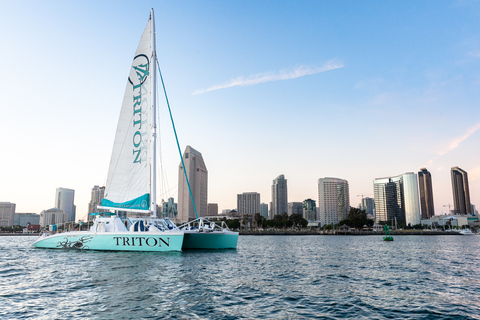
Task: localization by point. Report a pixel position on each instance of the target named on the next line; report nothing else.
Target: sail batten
(129, 176)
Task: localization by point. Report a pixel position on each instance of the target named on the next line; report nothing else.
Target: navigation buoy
(387, 237)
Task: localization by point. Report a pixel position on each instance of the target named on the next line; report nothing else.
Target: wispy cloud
(273, 76)
(456, 142)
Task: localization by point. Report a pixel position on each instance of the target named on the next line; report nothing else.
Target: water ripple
(267, 277)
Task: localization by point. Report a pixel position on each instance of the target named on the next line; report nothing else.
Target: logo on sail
(138, 77)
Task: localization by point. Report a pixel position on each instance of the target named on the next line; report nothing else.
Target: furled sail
(129, 176)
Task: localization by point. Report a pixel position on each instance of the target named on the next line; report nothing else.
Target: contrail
(271, 76)
(456, 142)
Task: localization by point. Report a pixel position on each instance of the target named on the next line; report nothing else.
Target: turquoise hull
(113, 241)
(210, 240)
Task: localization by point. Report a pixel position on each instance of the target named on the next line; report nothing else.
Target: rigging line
(176, 138)
(167, 193)
(161, 174)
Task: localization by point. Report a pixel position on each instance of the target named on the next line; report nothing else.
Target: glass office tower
(396, 198)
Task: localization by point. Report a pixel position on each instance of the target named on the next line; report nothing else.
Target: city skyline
(238, 75)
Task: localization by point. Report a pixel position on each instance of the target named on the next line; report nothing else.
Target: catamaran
(131, 182)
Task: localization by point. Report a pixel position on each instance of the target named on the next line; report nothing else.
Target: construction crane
(362, 195)
(448, 205)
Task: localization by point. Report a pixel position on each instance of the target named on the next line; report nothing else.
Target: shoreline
(350, 233)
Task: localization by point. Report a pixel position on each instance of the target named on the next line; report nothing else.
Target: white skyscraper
(7, 214)
(333, 200)
(248, 203)
(53, 216)
(64, 199)
(198, 177)
(279, 204)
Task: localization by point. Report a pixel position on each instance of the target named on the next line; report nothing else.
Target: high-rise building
(212, 209)
(461, 192)
(23, 219)
(248, 203)
(53, 216)
(7, 214)
(97, 195)
(169, 209)
(368, 204)
(64, 200)
(264, 210)
(310, 211)
(197, 174)
(474, 210)
(279, 196)
(295, 208)
(426, 193)
(333, 200)
(396, 198)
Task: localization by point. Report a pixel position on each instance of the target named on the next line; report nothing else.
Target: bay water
(267, 277)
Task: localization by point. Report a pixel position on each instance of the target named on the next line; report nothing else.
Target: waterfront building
(212, 209)
(295, 207)
(7, 214)
(53, 216)
(279, 196)
(447, 221)
(168, 209)
(396, 198)
(309, 211)
(64, 200)
(197, 174)
(23, 219)
(426, 193)
(230, 214)
(97, 194)
(333, 200)
(248, 203)
(264, 210)
(368, 204)
(461, 192)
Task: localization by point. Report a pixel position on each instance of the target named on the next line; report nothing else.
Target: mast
(154, 107)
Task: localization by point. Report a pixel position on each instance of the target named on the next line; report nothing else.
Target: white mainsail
(129, 183)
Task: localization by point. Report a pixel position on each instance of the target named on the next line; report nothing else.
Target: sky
(308, 89)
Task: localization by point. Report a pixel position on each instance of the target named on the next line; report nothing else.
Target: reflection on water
(266, 277)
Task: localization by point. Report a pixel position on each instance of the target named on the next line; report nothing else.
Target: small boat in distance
(467, 232)
(131, 181)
